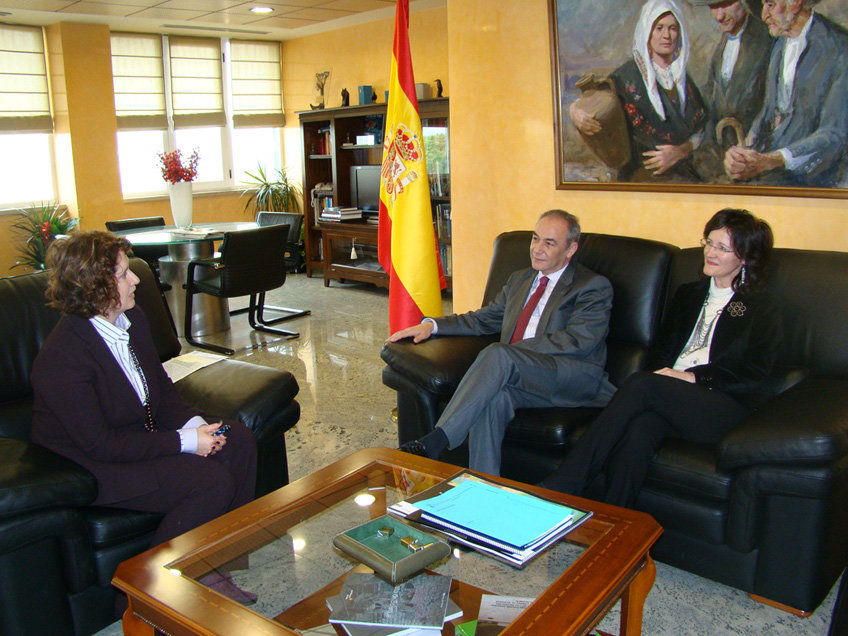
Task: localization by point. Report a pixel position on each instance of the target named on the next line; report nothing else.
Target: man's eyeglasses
(716, 246)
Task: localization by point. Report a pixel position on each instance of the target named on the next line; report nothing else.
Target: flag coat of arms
(407, 246)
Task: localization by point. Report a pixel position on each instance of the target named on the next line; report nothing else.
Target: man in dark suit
(553, 320)
(735, 84)
(800, 136)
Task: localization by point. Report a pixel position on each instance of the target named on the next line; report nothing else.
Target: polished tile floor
(345, 407)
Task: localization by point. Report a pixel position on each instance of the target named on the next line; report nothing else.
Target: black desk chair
(294, 246)
(148, 253)
(251, 264)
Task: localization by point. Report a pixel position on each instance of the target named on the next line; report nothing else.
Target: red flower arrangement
(173, 168)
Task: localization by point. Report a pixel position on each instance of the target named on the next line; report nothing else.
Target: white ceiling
(233, 18)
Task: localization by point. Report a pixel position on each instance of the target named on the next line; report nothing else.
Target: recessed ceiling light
(261, 10)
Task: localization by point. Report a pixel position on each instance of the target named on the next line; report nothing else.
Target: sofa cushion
(149, 298)
(250, 393)
(689, 469)
(807, 424)
(22, 331)
(116, 535)
(16, 418)
(33, 478)
(695, 517)
(548, 427)
(437, 364)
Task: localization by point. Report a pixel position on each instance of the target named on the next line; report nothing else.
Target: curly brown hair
(82, 273)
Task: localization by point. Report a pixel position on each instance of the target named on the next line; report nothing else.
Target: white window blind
(256, 84)
(24, 93)
(196, 84)
(138, 78)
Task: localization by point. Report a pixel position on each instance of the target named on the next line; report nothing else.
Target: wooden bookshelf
(330, 148)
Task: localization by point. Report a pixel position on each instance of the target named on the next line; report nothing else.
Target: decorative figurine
(345, 97)
(438, 88)
(320, 81)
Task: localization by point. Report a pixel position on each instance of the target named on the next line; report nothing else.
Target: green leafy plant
(38, 226)
(271, 193)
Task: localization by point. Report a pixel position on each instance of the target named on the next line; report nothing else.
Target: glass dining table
(209, 314)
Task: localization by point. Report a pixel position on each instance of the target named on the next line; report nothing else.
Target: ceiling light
(261, 10)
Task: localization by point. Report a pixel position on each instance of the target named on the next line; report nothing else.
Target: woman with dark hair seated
(712, 359)
(103, 400)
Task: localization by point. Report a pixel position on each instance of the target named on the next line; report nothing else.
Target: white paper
(186, 364)
(502, 609)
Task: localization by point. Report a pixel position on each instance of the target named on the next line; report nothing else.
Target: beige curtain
(196, 84)
(138, 79)
(24, 92)
(257, 83)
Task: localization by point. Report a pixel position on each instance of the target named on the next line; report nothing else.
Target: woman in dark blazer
(103, 399)
(712, 359)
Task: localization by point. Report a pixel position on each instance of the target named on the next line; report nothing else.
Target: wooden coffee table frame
(616, 563)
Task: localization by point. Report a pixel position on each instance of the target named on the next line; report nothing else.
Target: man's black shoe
(414, 448)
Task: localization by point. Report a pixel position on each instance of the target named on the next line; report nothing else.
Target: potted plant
(38, 226)
(267, 194)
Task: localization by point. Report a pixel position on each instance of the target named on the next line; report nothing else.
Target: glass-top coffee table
(280, 548)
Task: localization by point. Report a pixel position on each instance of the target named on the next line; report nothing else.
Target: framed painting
(694, 96)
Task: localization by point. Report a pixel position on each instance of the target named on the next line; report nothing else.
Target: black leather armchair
(57, 552)
(766, 509)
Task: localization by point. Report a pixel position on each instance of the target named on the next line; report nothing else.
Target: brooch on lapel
(736, 308)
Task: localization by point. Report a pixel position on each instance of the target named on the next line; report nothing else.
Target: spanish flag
(407, 247)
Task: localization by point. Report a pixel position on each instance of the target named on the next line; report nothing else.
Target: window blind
(24, 92)
(139, 82)
(257, 83)
(196, 85)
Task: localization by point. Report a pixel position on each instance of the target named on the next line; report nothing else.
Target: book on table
(452, 612)
(367, 600)
(461, 508)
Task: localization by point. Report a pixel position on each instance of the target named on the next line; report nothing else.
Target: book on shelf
(335, 213)
(452, 612)
(367, 600)
(461, 508)
(445, 254)
(443, 221)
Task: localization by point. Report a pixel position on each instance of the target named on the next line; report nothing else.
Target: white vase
(180, 194)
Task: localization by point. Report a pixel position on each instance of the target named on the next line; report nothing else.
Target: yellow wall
(503, 161)
(354, 56)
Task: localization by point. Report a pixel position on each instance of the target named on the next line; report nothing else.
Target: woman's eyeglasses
(716, 246)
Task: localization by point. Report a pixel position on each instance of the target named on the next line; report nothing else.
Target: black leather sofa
(57, 552)
(765, 510)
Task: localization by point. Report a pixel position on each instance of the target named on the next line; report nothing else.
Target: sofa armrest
(257, 396)
(805, 425)
(437, 364)
(33, 478)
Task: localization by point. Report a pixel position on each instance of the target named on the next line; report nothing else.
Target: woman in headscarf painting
(664, 111)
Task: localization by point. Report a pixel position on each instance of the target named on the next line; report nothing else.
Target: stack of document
(340, 214)
(505, 523)
(369, 606)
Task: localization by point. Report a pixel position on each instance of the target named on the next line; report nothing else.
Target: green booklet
(393, 549)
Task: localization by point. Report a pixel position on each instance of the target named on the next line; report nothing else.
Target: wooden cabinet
(350, 253)
(332, 146)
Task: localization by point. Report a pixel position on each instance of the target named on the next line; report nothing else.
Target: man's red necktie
(524, 318)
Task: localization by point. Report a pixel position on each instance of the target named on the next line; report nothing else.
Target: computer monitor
(365, 187)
